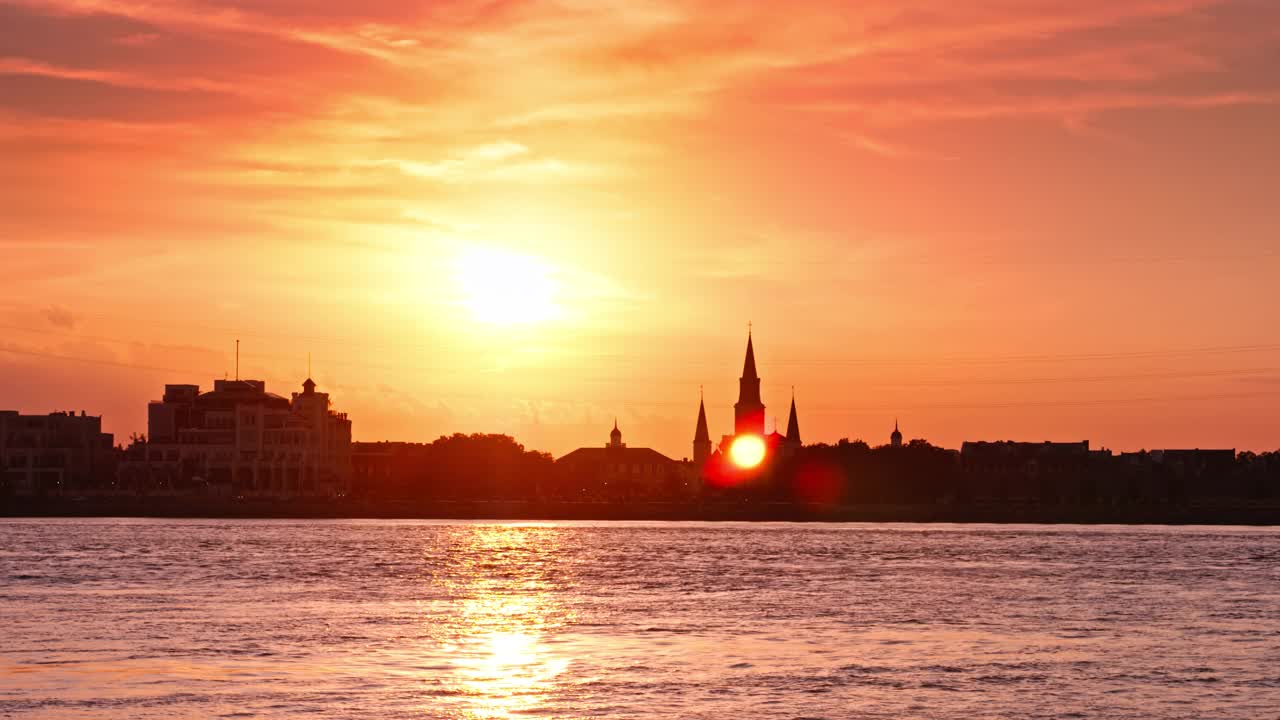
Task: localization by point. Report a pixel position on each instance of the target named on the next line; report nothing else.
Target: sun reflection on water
(504, 585)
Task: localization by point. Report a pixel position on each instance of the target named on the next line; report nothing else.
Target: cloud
(60, 317)
(531, 64)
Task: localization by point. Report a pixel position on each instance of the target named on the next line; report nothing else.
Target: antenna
(237, 361)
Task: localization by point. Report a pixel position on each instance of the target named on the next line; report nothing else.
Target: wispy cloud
(60, 317)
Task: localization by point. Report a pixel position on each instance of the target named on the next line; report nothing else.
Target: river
(120, 618)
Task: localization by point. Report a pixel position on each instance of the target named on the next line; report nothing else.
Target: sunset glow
(503, 288)
(720, 359)
(1043, 219)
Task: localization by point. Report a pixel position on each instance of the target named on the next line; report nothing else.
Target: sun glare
(747, 451)
(505, 288)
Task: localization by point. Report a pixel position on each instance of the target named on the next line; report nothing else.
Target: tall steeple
(748, 412)
(793, 423)
(701, 436)
(896, 438)
(615, 436)
(749, 367)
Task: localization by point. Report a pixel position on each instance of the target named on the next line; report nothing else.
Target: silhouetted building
(701, 437)
(618, 472)
(1025, 472)
(748, 412)
(52, 454)
(895, 438)
(382, 469)
(239, 439)
(793, 424)
(1204, 474)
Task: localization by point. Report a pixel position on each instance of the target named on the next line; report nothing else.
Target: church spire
(749, 366)
(615, 436)
(701, 436)
(793, 423)
(748, 412)
(701, 433)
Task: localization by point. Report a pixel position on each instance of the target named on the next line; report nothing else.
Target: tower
(896, 438)
(701, 436)
(615, 436)
(748, 412)
(793, 423)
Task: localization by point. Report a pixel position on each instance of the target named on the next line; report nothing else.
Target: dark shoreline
(719, 511)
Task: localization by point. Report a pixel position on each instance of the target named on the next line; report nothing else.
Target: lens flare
(747, 451)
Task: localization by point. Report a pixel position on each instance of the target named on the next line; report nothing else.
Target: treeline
(848, 473)
(845, 473)
(453, 467)
(853, 473)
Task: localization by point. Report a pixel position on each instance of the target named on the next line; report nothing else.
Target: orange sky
(1012, 219)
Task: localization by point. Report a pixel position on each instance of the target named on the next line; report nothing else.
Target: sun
(500, 287)
(747, 451)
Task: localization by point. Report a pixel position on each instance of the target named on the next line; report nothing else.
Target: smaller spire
(701, 432)
(793, 422)
(615, 435)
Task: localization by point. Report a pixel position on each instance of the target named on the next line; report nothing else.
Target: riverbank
(712, 511)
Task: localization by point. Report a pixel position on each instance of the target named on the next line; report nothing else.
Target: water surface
(388, 619)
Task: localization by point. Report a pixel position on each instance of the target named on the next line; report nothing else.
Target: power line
(670, 380)
(949, 360)
(815, 408)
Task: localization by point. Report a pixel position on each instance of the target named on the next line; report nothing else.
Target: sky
(1014, 219)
